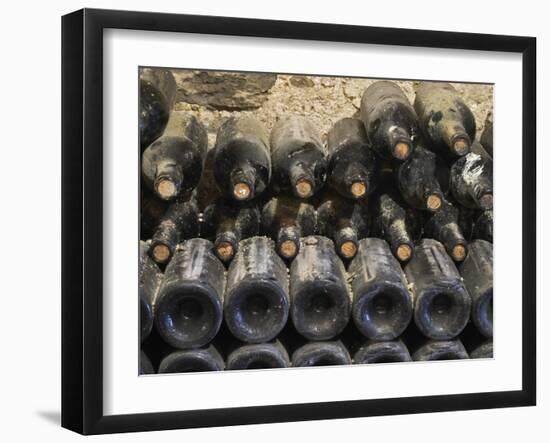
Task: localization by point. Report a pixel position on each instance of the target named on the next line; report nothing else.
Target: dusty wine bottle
(442, 304)
(477, 148)
(472, 181)
(242, 161)
(192, 360)
(150, 279)
(393, 223)
(321, 354)
(393, 351)
(389, 119)
(485, 350)
(483, 228)
(299, 157)
(443, 226)
(477, 272)
(353, 167)
(344, 222)
(441, 350)
(417, 181)
(230, 224)
(157, 93)
(445, 119)
(259, 356)
(145, 365)
(151, 211)
(180, 222)
(286, 220)
(172, 165)
(256, 298)
(190, 303)
(319, 292)
(382, 305)
(487, 134)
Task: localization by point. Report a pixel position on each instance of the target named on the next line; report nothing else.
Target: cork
(166, 189)
(401, 150)
(288, 249)
(241, 191)
(461, 146)
(303, 188)
(225, 251)
(358, 189)
(161, 253)
(404, 252)
(459, 252)
(434, 202)
(348, 249)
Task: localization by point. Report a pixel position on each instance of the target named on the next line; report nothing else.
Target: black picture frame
(82, 215)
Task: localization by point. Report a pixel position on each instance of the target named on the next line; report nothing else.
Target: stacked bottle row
(292, 350)
(289, 219)
(258, 296)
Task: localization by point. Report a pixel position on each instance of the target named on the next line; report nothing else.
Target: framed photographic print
(270, 221)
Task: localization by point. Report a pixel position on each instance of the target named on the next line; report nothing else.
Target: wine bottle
(286, 220)
(465, 219)
(319, 292)
(487, 134)
(229, 225)
(472, 181)
(190, 304)
(441, 350)
(389, 119)
(394, 223)
(344, 222)
(151, 211)
(353, 167)
(157, 93)
(477, 148)
(445, 119)
(485, 350)
(477, 345)
(150, 279)
(483, 228)
(256, 298)
(321, 354)
(259, 356)
(417, 181)
(391, 351)
(382, 304)
(242, 162)
(180, 222)
(444, 227)
(192, 360)
(299, 157)
(145, 365)
(442, 304)
(172, 165)
(477, 272)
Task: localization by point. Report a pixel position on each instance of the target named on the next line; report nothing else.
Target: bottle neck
(243, 182)
(400, 240)
(356, 180)
(346, 241)
(168, 180)
(399, 143)
(482, 193)
(432, 196)
(302, 180)
(455, 137)
(453, 240)
(288, 241)
(226, 244)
